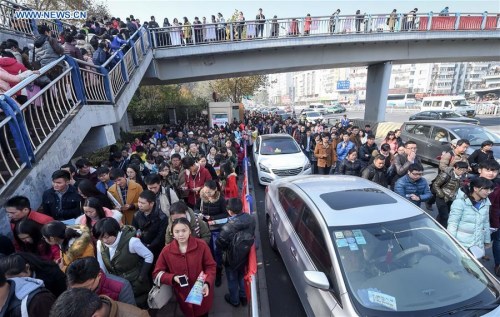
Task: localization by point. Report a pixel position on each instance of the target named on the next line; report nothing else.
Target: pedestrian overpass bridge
(83, 108)
(232, 59)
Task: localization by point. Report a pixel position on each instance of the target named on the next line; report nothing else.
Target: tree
(233, 89)
(150, 104)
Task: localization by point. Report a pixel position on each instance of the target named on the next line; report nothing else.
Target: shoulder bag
(160, 294)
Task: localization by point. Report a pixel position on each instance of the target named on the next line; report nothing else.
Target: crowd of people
(465, 191)
(237, 27)
(167, 204)
(95, 42)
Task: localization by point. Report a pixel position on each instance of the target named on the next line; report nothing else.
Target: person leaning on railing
(8, 79)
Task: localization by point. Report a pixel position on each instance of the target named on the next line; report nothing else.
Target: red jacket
(37, 217)
(53, 255)
(196, 259)
(196, 181)
(12, 66)
(231, 188)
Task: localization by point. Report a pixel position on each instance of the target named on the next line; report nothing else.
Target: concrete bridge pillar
(377, 86)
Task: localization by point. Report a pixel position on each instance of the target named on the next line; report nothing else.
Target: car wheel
(270, 232)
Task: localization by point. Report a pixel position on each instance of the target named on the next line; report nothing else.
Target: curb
(263, 296)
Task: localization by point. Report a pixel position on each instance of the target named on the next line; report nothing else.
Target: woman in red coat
(187, 256)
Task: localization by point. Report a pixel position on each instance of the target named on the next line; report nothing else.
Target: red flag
(251, 270)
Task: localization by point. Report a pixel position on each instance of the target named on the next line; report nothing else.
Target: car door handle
(294, 253)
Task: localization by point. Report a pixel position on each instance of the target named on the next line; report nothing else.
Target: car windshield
(460, 103)
(312, 114)
(476, 135)
(450, 114)
(276, 146)
(410, 266)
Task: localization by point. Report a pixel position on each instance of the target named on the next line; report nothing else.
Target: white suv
(277, 156)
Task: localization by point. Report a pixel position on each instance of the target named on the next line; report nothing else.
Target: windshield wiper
(459, 309)
(473, 306)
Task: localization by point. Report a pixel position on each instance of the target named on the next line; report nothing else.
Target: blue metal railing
(26, 125)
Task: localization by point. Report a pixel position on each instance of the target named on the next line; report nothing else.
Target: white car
(277, 156)
(312, 116)
(354, 248)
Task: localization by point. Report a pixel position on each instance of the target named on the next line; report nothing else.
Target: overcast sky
(283, 9)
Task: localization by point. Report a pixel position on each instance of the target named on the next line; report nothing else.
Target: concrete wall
(224, 60)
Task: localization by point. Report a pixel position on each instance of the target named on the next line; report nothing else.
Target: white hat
(190, 132)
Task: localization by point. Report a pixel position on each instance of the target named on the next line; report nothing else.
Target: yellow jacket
(133, 192)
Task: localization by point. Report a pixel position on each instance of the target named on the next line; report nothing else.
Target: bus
(401, 100)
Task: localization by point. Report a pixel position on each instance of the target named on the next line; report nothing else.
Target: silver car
(433, 137)
(354, 248)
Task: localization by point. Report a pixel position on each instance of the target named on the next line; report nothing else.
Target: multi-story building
(438, 79)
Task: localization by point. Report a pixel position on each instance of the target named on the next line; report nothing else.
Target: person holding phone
(181, 262)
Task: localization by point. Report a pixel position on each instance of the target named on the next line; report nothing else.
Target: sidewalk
(220, 308)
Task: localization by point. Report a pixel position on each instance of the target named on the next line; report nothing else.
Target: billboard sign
(219, 119)
(343, 84)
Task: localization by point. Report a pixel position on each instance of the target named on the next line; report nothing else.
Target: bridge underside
(206, 62)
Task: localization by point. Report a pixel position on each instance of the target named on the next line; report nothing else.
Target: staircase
(42, 133)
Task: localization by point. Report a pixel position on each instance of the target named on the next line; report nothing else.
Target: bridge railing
(184, 35)
(32, 110)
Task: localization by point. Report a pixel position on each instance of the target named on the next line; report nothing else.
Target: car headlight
(307, 166)
(263, 168)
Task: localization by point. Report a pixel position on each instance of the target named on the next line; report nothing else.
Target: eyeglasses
(488, 190)
(417, 173)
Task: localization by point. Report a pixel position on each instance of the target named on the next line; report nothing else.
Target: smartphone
(183, 282)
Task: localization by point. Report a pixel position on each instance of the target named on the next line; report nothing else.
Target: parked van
(454, 103)
(319, 107)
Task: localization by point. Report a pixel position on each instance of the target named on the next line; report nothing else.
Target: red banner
(491, 23)
(443, 23)
(470, 23)
(422, 26)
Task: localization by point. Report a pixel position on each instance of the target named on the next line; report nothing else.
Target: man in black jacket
(366, 150)
(150, 223)
(376, 171)
(239, 221)
(62, 201)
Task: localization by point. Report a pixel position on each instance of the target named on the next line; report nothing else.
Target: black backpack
(237, 254)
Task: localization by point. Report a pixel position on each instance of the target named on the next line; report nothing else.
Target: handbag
(160, 294)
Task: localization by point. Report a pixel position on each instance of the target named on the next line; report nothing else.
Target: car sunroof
(356, 198)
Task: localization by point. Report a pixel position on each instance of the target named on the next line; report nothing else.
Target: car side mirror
(317, 280)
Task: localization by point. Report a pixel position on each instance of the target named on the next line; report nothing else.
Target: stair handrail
(73, 66)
